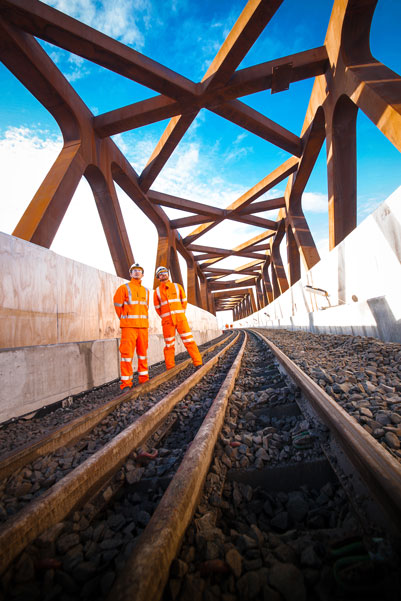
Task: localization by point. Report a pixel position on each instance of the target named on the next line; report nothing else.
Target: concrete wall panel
(362, 277)
(58, 328)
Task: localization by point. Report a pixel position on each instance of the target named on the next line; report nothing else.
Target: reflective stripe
(177, 291)
(184, 299)
(164, 303)
(126, 377)
(157, 306)
(126, 360)
(158, 293)
(188, 340)
(142, 373)
(169, 338)
(136, 303)
(129, 294)
(118, 304)
(178, 311)
(134, 317)
(141, 357)
(131, 302)
(169, 345)
(186, 334)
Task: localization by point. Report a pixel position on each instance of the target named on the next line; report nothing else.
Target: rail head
(379, 470)
(67, 494)
(146, 571)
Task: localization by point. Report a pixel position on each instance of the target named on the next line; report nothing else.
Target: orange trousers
(133, 339)
(187, 338)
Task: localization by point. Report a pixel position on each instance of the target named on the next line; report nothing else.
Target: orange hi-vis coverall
(170, 303)
(131, 302)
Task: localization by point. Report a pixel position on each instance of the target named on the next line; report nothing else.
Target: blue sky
(216, 161)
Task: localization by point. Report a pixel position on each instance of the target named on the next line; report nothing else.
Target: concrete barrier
(362, 278)
(59, 334)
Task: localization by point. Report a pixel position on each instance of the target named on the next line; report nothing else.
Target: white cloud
(116, 19)
(27, 152)
(314, 202)
(188, 174)
(80, 236)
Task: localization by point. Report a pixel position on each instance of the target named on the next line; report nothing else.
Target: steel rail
(78, 427)
(69, 493)
(379, 470)
(146, 572)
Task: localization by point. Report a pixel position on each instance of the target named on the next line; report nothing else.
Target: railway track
(129, 534)
(75, 428)
(62, 496)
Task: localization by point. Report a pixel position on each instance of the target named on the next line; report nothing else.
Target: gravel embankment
(362, 374)
(78, 558)
(22, 430)
(251, 542)
(35, 478)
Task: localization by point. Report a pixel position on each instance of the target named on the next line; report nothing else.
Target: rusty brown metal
(380, 471)
(347, 79)
(68, 433)
(161, 539)
(87, 478)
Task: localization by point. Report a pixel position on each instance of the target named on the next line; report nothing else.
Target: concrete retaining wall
(58, 329)
(362, 276)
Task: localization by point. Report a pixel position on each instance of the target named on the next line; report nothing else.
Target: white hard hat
(160, 270)
(136, 266)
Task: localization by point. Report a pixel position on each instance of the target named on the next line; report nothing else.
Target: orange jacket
(131, 302)
(170, 302)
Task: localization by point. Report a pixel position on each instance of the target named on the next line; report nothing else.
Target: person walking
(131, 303)
(170, 304)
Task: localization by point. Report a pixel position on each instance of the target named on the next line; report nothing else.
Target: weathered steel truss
(347, 78)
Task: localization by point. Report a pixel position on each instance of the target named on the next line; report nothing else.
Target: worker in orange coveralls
(131, 302)
(170, 303)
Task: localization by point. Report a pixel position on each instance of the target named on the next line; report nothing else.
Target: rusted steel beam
(57, 28)
(200, 209)
(42, 217)
(241, 247)
(239, 293)
(268, 182)
(251, 22)
(281, 77)
(248, 27)
(172, 135)
(312, 140)
(276, 261)
(293, 256)
(235, 254)
(223, 272)
(267, 286)
(258, 247)
(341, 170)
(176, 224)
(249, 119)
(267, 224)
(28, 61)
(264, 205)
(112, 219)
(175, 202)
(372, 86)
(309, 63)
(231, 284)
(244, 81)
(251, 264)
